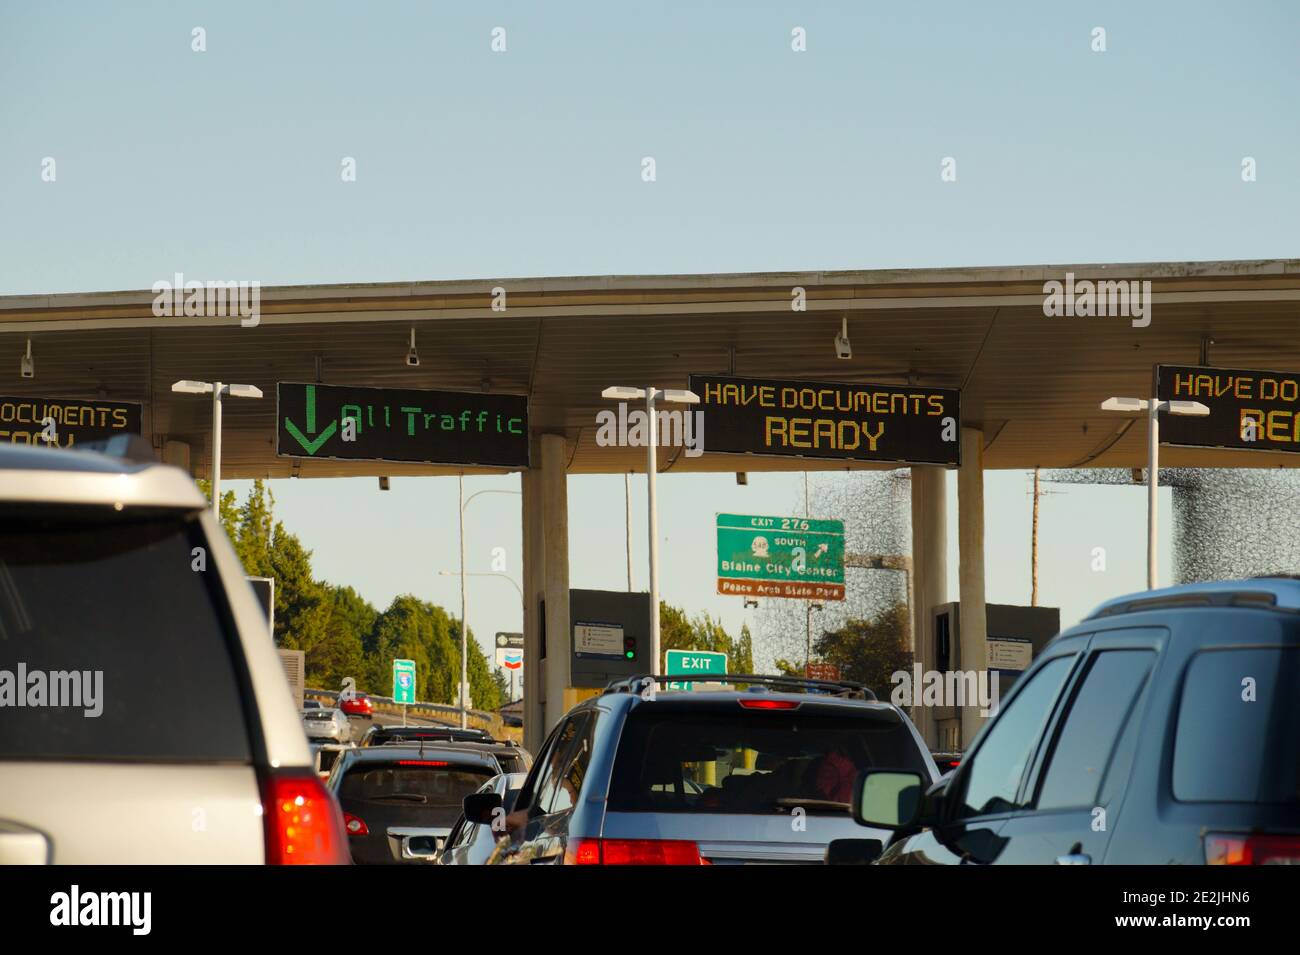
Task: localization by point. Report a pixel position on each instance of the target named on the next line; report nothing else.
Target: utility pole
(627, 498)
(1033, 596)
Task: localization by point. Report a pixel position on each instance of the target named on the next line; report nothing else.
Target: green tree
(503, 684)
(740, 652)
(341, 653)
(869, 651)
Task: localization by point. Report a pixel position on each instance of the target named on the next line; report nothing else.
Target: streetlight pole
(652, 394)
(1153, 407)
(627, 499)
(483, 573)
(464, 619)
(216, 449)
(464, 599)
(219, 392)
(652, 507)
(1153, 486)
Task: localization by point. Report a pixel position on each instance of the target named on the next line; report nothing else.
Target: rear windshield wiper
(791, 802)
(401, 797)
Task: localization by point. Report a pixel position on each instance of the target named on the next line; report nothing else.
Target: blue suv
(1164, 728)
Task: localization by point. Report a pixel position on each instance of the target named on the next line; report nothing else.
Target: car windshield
(121, 649)
(420, 783)
(761, 762)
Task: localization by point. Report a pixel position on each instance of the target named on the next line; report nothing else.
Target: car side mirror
(480, 807)
(853, 851)
(887, 798)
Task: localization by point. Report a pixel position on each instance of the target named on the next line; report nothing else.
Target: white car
(169, 697)
(327, 723)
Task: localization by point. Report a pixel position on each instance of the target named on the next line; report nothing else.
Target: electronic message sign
(907, 424)
(1249, 409)
(387, 424)
(65, 422)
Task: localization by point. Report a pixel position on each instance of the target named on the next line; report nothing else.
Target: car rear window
(105, 613)
(769, 761)
(1239, 727)
(323, 715)
(434, 787)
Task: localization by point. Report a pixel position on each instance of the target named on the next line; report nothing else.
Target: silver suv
(144, 713)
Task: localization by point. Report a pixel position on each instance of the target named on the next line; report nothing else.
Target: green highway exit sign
(403, 681)
(795, 557)
(693, 663)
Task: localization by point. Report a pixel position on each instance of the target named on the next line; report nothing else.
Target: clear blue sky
(479, 164)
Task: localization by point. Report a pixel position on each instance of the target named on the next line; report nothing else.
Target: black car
(379, 735)
(1164, 728)
(400, 801)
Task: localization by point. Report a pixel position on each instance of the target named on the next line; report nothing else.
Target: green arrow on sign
(311, 447)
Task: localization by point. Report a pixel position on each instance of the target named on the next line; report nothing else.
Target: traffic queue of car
(1163, 728)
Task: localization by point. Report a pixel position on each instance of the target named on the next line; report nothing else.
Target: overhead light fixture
(413, 356)
(192, 387)
(1152, 407)
(843, 349)
(27, 366)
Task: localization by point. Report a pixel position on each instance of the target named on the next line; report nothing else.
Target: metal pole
(652, 464)
(464, 620)
(1153, 483)
(216, 449)
(807, 658)
(627, 497)
(1033, 595)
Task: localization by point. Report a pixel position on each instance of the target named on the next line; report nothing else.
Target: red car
(358, 705)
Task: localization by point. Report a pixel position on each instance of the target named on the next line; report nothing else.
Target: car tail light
(761, 704)
(1253, 849)
(355, 825)
(302, 822)
(633, 852)
(423, 762)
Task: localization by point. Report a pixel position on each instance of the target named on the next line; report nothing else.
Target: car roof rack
(846, 689)
(1273, 592)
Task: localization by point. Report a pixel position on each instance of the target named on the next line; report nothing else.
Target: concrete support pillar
(930, 574)
(534, 689)
(970, 541)
(547, 634)
(555, 547)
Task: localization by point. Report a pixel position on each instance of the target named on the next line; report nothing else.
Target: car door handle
(1074, 858)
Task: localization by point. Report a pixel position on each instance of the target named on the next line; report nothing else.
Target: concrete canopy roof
(1033, 383)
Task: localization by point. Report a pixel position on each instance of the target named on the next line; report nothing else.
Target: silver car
(328, 724)
(469, 844)
(762, 772)
(144, 713)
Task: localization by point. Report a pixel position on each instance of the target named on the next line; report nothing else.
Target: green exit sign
(697, 663)
(403, 681)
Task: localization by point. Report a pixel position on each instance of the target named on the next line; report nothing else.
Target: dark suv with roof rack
(1164, 728)
(760, 770)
